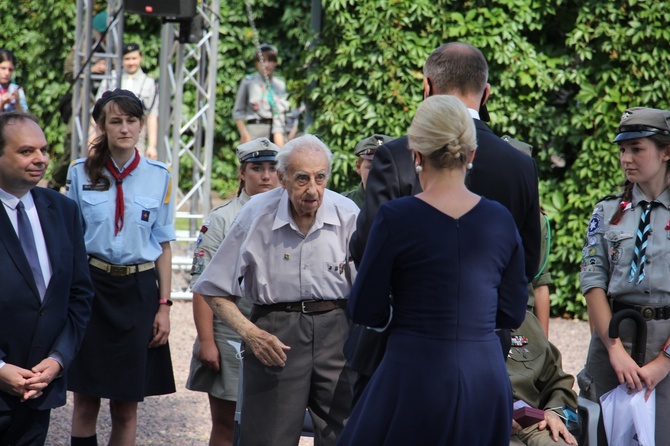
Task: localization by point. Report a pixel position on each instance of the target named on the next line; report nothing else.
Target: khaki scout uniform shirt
(254, 101)
(212, 233)
(609, 250)
(276, 261)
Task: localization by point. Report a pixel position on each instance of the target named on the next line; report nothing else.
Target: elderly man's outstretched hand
(267, 347)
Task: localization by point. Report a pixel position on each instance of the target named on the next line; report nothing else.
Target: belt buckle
(302, 307)
(648, 313)
(116, 270)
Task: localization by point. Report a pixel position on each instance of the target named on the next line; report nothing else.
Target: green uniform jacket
(356, 195)
(535, 369)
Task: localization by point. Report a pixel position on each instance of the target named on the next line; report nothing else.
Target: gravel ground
(183, 419)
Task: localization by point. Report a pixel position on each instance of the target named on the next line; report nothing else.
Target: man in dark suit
(500, 172)
(45, 288)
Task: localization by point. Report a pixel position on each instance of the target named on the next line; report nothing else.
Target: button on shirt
(10, 202)
(148, 216)
(277, 262)
(609, 250)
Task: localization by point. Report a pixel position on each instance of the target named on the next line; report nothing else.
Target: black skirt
(115, 360)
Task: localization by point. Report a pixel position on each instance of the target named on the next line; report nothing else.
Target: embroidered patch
(594, 224)
(203, 229)
(591, 240)
(145, 215)
(198, 265)
(199, 241)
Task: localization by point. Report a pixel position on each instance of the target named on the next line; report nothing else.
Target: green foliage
(561, 71)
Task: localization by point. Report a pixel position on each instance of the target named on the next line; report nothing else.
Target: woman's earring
(469, 166)
(418, 168)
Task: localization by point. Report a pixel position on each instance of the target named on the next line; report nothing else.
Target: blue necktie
(28, 244)
(643, 230)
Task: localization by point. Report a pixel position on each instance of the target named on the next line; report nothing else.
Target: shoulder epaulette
(157, 164)
(78, 161)
(610, 197)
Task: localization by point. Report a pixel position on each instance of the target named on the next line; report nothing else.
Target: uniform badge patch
(591, 240)
(198, 261)
(145, 215)
(594, 224)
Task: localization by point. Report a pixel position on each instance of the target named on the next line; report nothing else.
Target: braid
(627, 195)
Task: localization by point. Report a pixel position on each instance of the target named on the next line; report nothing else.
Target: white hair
(303, 142)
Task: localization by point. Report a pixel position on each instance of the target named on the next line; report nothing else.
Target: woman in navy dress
(454, 264)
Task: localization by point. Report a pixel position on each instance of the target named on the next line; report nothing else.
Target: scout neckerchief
(643, 230)
(119, 176)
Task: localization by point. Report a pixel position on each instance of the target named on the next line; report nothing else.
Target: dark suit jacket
(29, 329)
(501, 173)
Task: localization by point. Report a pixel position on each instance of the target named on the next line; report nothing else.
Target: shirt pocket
(334, 280)
(146, 210)
(620, 245)
(94, 207)
(525, 357)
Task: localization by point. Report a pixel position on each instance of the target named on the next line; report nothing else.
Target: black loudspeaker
(178, 9)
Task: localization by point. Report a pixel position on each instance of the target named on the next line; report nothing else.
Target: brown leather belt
(648, 312)
(259, 121)
(306, 306)
(120, 270)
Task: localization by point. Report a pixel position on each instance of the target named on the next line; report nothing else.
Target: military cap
(641, 122)
(257, 151)
(367, 147)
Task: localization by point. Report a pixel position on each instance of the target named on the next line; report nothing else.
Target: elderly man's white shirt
(265, 248)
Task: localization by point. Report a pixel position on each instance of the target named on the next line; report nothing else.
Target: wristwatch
(167, 302)
(666, 350)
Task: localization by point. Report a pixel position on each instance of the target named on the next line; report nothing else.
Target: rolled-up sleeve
(594, 271)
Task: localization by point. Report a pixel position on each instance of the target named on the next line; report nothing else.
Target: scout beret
(130, 47)
(108, 96)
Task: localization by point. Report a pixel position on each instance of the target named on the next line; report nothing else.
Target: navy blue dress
(443, 380)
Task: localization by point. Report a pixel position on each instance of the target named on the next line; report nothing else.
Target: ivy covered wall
(562, 72)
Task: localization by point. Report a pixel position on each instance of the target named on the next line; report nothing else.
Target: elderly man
(289, 249)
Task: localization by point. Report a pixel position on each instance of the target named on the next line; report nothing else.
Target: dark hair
(6, 55)
(457, 67)
(99, 153)
(661, 142)
(6, 119)
(268, 54)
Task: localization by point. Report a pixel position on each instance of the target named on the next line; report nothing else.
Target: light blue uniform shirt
(148, 216)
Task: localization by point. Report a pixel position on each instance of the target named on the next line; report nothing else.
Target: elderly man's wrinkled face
(305, 180)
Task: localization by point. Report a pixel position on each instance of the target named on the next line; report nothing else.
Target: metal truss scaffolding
(186, 134)
(88, 50)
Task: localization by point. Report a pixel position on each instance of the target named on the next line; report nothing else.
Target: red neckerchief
(119, 176)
